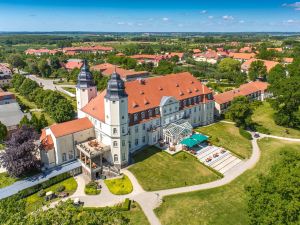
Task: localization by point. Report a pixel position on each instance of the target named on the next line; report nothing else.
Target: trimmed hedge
(54, 180)
(245, 134)
(261, 129)
(126, 204)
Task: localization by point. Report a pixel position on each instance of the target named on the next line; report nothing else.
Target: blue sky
(152, 16)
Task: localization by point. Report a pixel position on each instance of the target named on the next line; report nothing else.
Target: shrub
(60, 188)
(54, 180)
(92, 188)
(41, 193)
(245, 134)
(126, 204)
(261, 129)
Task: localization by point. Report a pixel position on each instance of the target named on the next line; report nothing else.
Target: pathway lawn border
(119, 186)
(158, 170)
(226, 204)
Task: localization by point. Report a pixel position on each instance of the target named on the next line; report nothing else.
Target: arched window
(115, 144)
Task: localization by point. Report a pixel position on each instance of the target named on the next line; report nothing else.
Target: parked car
(256, 135)
(49, 195)
(77, 202)
(63, 194)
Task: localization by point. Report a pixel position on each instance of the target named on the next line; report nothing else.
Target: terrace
(91, 155)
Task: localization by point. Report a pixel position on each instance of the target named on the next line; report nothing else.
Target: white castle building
(124, 118)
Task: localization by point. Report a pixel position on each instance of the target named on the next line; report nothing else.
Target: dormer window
(135, 117)
(190, 101)
(150, 112)
(184, 102)
(143, 115)
(156, 111)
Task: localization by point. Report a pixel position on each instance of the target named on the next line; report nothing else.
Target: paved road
(48, 84)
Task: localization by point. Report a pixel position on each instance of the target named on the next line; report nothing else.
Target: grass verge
(119, 186)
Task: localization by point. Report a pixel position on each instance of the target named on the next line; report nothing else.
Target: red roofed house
(256, 90)
(107, 69)
(144, 58)
(246, 50)
(42, 51)
(73, 63)
(269, 64)
(124, 118)
(242, 56)
(87, 49)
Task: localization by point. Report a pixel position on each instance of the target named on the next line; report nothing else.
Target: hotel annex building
(124, 118)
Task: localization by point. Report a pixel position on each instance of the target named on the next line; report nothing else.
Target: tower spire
(85, 77)
(115, 87)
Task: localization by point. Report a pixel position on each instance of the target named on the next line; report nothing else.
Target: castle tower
(85, 88)
(116, 117)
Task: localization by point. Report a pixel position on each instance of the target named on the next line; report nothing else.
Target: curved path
(150, 200)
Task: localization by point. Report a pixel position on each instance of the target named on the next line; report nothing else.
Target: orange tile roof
(243, 56)
(243, 90)
(246, 49)
(148, 94)
(196, 51)
(269, 64)
(70, 127)
(95, 107)
(288, 60)
(72, 65)
(46, 141)
(103, 66)
(5, 95)
(124, 73)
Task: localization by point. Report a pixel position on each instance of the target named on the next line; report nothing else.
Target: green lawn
(226, 204)
(263, 116)
(228, 136)
(69, 89)
(136, 215)
(29, 104)
(156, 170)
(48, 118)
(119, 186)
(34, 202)
(6, 180)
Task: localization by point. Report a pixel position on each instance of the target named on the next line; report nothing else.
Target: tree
(44, 68)
(35, 123)
(27, 87)
(24, 122)
(257, 70)
(43, 121)
(63, 111)
(274, 199)
(3, 132)
(229, 65)
(17, 81)
(164, 67)
(16, 61)
(276, 74)
(21, 154)
(240, 111)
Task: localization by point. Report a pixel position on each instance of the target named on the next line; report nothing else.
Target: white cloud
(290, 21)
(203, 11)
(120, 23)
(180, 25)
(210, 17)
(242, 21)
(165, 19)
(226, 17)
(295, 5)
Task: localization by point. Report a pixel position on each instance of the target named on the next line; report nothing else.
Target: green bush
(126, 204)
(54, 180)
(261, 129)
(92, 188)
(245, 134)
(41, 193)
(60, 188)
